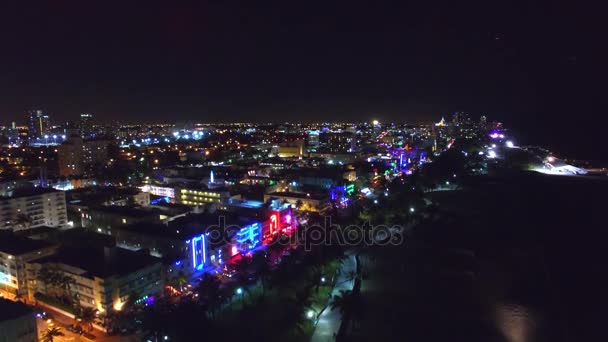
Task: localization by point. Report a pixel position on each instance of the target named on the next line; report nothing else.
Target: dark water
(517, 323)
(540, 252)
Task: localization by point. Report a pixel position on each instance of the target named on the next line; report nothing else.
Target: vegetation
(50, 334)
(86, 317)
(53, 301)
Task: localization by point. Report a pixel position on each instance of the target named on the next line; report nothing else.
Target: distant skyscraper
(483, 122)
(38, 123)
(86, 125)
(313, 139)
(455, 119)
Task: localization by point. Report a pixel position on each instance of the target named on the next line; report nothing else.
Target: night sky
(532, 65)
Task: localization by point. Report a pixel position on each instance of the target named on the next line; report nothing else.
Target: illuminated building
(291, 149)
(77, 157)
(38, 124)
(300, 201)
(441, 123)
(30, 208)
(313, 139)
(274, 217)
(103, 279)
(17, 322)
(198, 249)
(15, 252)
(86, 125)
(198, 196)
(162, 191)
(248, 237)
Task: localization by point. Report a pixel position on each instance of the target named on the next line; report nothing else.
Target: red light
(274, 224)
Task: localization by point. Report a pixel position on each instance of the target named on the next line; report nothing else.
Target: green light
(350, 189)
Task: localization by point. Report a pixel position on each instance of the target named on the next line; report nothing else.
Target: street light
(411, 209)
(239, 291)
(322, 279)
(310, 314)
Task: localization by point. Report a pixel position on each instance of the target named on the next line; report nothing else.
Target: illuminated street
(330, 319)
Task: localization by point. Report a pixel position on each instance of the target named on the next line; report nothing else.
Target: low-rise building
(200, 196)
(103, 279)
(15, 252)
(299, 200)
(188, 244)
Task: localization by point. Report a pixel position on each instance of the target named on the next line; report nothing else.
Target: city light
(239, 291)
(310, 314)
(509, 144)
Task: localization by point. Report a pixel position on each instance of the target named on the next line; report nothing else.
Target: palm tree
(65, 282)
(50, 334)
(299, 204)
(44, 275)
(344, 302)
(350, 306)
(209, 291)
(86, 317)
(294, 317)
(23, 221)
(180, 280)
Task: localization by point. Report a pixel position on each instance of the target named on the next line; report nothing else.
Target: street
(330, 320)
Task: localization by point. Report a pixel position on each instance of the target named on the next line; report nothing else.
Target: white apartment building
(30, 208)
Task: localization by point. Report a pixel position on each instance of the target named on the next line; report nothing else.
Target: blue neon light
(204, 250)
(251, 234)
(193, 254)
(196, 250)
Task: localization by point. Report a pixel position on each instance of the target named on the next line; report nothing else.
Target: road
(329, 320)
(61, 321)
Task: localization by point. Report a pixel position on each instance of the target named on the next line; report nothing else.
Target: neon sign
(350, 189)
(198, 249)
(274, 223)
(250, 235)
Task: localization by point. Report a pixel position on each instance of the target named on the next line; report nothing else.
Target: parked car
(74, 328)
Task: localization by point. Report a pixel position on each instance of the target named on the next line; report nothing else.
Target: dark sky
(523, 63)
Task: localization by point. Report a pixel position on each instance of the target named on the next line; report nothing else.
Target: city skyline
(233, 61)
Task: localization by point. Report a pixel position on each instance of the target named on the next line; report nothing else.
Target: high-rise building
(86, 125)
(313, 139)
(77, 157)
(483, 122)
(38, 123)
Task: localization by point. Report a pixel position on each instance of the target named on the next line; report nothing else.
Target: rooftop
(18, 245)
(102, 262)
(10, 310)
(26, 192)
(297, 195)
(186, 227)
